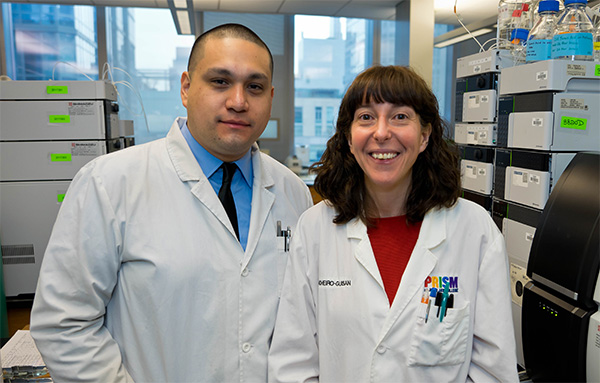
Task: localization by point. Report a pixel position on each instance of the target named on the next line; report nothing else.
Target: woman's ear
(425, 134)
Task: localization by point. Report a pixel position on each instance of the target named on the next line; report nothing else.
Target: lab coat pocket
(436, 343)
(282, 257)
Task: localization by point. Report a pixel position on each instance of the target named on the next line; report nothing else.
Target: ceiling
(469, 10)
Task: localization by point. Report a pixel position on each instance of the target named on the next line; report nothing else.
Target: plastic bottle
(574, 36)
(519, 43)
(596, 20)
(536, 3)
(512, 14)
(539, 43)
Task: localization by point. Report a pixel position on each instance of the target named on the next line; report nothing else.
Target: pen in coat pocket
(444, 301)
(432, 296)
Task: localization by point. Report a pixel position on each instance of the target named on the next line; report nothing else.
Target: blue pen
(444, 301)
(432, 293)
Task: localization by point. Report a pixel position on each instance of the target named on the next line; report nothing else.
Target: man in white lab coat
(146, 277)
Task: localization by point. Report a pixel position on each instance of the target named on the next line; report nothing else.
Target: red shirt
(393, 241)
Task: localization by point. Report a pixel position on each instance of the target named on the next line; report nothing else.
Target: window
(298, 121)
(318, 121)
(443, 76)
(148, 83)
(50, 41)
(344, 49)
(388, 43)
(330, 127)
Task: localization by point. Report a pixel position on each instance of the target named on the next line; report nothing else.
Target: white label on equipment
(529, 237)
(534, 179)
(471, 137)
(473, 102)
(520, 178)
(575, 70)
(573, 103)
(471, 171)
(541, 76)
(82, 108)
(85, 149)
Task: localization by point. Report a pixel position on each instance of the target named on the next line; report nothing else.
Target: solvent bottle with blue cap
(574, 36)
(518, 39)
(539, 42)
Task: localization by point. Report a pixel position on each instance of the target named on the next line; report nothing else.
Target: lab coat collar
(433, 229)
(262, 202)
(181, 155)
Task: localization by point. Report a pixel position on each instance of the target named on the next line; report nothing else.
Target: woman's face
(386, 140)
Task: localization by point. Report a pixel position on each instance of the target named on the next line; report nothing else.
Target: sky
(156, 26)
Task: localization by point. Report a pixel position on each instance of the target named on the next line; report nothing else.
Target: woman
(393, 278)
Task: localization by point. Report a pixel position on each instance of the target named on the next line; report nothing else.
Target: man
(146, 277)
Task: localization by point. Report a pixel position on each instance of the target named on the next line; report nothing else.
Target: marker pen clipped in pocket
(444, 301)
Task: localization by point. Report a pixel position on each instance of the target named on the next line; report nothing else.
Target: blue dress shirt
(241, 185)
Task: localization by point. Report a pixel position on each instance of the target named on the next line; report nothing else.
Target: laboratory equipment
(560, 303)
(517, 223)
(48, 131)
(554, 106)
(477, 169)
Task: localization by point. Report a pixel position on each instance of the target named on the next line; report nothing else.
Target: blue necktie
(226, 196)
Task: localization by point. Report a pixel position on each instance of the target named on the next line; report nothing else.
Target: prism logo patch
(439, 282)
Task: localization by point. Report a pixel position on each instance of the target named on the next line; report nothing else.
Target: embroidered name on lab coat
(328, 282)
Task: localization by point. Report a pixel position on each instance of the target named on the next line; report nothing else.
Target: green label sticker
(597, 72)
(60, 197)
(55, 89)
(60, 157)
(573, 123)
(59, 119)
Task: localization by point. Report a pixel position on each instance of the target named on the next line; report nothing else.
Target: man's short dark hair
(222, 31)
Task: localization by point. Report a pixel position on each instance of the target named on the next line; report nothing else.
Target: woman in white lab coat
(393, 278)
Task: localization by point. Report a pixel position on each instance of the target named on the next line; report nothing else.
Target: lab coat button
(245, 273)
(246, 347)
(381, 349)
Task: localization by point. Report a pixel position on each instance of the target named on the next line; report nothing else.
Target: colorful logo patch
(439, 282)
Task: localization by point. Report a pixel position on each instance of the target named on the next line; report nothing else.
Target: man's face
(228, 96)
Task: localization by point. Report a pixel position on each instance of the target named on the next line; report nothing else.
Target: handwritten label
(538, 50)
(572, 44)
(60, 157)
(55, 89)
(59, 119)
(573, 123)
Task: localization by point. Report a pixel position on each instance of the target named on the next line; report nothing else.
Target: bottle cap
(567, 2)
(548, 6)
(519, 33)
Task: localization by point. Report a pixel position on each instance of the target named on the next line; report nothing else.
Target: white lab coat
(144, 278)
(335, 323)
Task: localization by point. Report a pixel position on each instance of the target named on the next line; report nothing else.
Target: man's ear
(185, 86)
